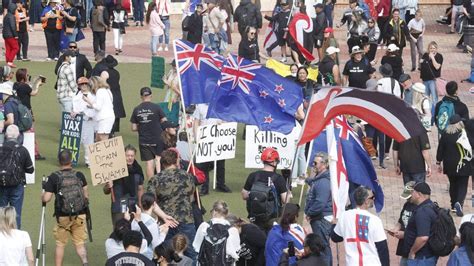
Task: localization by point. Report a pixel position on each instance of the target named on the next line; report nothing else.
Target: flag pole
(215, 174)
(306, 168)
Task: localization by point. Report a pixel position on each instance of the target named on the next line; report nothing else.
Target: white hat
(392, 47)
(331, 50)
(356, 50)
(54, 1)
(6, 89)
(419, 87)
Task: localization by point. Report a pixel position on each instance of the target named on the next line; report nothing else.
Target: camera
(43, 78)
(128, 203)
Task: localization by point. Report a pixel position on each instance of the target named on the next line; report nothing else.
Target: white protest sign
(256, 141)
(216, 142)
(107, 160)
(29, 144)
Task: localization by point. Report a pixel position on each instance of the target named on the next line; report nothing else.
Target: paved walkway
(456, 67)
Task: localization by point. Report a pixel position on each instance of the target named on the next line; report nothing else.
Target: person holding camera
(70, 207)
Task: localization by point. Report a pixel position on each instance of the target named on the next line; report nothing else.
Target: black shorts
(281, 40)
(149, 152)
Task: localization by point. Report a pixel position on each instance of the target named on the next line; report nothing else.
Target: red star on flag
(263, 94)
(281, 103)
(279, 88)
(268, 119)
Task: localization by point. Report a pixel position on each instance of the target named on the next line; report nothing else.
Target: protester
(15, 245)
(416, 28)
(129, 188)
(373, 34)
(419, 229)
(394, 59)
(71, 220)
(329, 73)
(329, 40)
(113, 79)
(22, 16)
(52, 22)
(310, 255)
(247, 14)
(80, 107)
(171, 80)
(207, 233)
(399, 230)
(454, 149)
(248, 46)
(213, 25)
(294, 72)
(451, 105)
(103, 106)
(71, 21)
(356, 71)
(163, 8)
(10, 35)
(165, 255)
(430, 69)
(280, 26)
(361, 225)
(131, 242)
(175, 187)
(99, 25)
(357, 28)
(118, 26)
(195, 25)
(397, 30)
(82, 65)
(138, 11)
(320, 23)
(66, 83)
(146, 119)
(318, 208)
(156, 27)
(407, 84)
(422, 104)
(169, 135)
(13, 193)
(463, 255)
(252, 242)
(287, 230)
(180, 244)
(387, 84)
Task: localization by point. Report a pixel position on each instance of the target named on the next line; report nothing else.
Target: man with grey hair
(363, 234)
(15, 161)
(318, 209)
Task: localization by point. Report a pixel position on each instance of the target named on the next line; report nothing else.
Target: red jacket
(385, 6)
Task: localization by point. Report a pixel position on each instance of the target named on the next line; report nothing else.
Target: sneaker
(116, 52)
(283, 60)
(384, 47)
(26, 60)
(49, 59)
(458, 208)
(450, 32)
(373, 158)
(141, 24)
(413, 69)
(387, 157)
(224, 189)
(269, 53)
(166, 48)
(379, 47)
(137, 23)
(160, 49)
(382, 166)
(56, 59)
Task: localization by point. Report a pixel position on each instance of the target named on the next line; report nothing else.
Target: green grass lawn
(47, 114)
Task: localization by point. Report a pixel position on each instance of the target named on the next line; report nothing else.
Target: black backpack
(70, 197)
(213, 246)
(443, 231)
(263, 204)
(11, 173)
(185, 23)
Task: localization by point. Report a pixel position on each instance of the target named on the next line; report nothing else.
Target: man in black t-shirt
(73, 225)
(132, 242)
(270, 159)
(356, 71)
(411, 157)
(146, 119)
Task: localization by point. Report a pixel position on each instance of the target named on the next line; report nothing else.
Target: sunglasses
(252, 33)
(73, 47)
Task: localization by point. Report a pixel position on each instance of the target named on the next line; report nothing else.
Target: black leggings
(458, 189)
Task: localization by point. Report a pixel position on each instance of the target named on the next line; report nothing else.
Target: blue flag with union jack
(255, 95)
(199, 70)
(354, 162)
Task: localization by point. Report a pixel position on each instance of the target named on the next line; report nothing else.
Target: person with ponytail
(464, 255)
(165, 255)
(180, 244)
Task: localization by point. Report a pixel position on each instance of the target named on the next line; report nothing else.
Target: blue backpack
(445, 112)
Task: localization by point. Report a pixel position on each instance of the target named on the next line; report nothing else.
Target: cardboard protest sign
(29, 144)
(70, 138)
(216, 142)
(256, 141)
(107, 160)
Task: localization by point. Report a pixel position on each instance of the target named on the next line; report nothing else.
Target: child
(180, 244)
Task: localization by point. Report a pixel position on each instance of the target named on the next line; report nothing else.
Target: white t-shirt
(385, 85)
(416, 25)
(113, 247)
(360, 225)
(103, 104)
(80, 106)
(13, 247)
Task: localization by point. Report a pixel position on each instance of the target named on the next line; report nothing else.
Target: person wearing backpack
(265, 191)
(455, 156)
(448, 106)
(216, 242)
(15, 161)
(419, 227)
(15, 112)
(70, 205)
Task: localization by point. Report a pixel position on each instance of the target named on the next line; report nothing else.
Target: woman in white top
(79, 106)
(163, 8)
(416, 28)
(422, 104)
(15, 245)
(103, 106)
(219, 213)
(118, 27)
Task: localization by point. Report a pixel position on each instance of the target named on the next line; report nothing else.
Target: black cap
(455, 119)
(168, 124)
(404, 77)
(145, 91)
(423, 188)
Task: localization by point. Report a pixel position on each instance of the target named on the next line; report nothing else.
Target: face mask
(293, 75)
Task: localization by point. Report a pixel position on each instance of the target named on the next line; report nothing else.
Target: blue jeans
(214, 42)
(138, 7)
(154, 44)
(423, 261)
(167, 31)
(299, 167)
(89, 6)
(13, 196)
(431, 90)
(322, 228)
(72, 37)
(328, 10)
(418, 177)
(189, 230)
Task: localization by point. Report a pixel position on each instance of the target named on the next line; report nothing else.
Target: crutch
(41, 238)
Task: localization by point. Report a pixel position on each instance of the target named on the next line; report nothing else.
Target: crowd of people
(157, 214)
